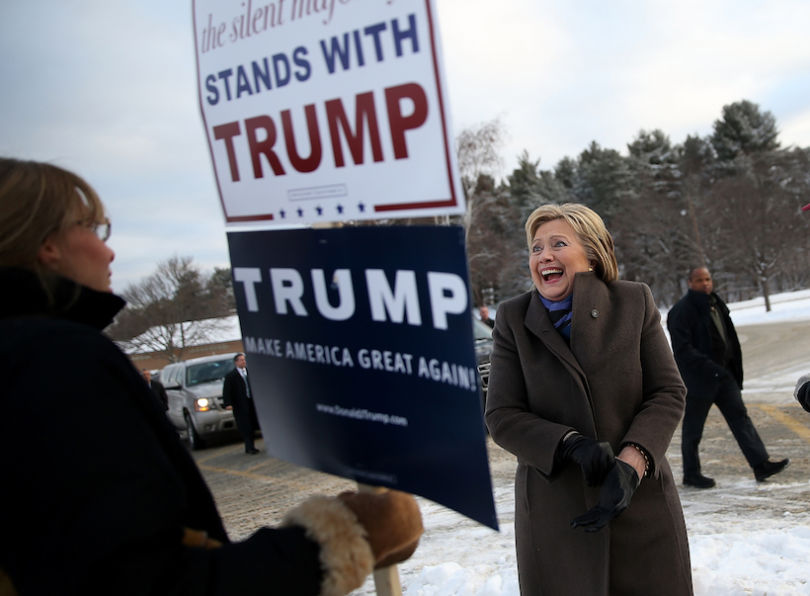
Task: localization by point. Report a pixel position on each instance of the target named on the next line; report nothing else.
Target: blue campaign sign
(359, 345)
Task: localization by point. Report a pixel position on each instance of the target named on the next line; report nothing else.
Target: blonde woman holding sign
(100, 496)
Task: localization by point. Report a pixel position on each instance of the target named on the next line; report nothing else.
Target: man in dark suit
(484, 312)
(237, 394)
(157, 388)
(709, 358)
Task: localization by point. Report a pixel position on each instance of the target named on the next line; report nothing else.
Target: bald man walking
(709, 357)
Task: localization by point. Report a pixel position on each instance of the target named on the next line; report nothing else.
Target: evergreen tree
(744, 129)
(603, 181)
(652, 235)
(730, 201)
(696, 162)
(494, 241)
(524, 184)
(531, 186)
(758, 212)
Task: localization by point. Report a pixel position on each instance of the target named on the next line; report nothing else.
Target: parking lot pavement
(256, 490)
(785, 430)
(252, 491)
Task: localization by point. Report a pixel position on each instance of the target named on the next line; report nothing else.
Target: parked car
(194, 389)
(482, 335)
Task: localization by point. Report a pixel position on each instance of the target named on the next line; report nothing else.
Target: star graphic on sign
(300, 212)
(340, 208)
(361, 207)
(282, 213)
(319, 209)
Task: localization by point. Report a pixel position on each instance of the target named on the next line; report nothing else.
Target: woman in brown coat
(582, 370)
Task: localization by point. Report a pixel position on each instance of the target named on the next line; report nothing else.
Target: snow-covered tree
(757, 217)
(603, 181)
(174, 308)
(744, 129)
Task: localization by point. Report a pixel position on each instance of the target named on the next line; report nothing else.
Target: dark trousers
(248, 424)
(729, 401)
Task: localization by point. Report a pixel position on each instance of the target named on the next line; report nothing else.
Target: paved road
(253, 491)
(774, 356)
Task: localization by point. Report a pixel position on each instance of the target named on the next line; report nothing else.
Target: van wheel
(194, 440)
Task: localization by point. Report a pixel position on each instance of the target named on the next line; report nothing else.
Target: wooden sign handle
(386, 579)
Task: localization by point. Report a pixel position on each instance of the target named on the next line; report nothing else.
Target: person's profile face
(79, 253)
(240, 362)
(701, 281)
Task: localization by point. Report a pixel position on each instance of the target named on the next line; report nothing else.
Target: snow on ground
(745, 537)
(791, 306)
(735, 549)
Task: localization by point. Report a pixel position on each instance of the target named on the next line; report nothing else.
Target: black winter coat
(97, 487)
(234, 393)
(690, 329)
(159, 392)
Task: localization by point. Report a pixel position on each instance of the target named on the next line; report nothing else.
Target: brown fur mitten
(358, 532)
(199, 539)
(346, 557)
(392, 521)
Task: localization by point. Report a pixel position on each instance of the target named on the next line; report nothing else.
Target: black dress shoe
(698, 481)
(769, 468)
(251, 451)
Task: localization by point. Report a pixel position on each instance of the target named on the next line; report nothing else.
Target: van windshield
(206, 372)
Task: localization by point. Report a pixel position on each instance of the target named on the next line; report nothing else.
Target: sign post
(386, 580)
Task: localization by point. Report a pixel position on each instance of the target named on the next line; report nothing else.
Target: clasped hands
(619, 480)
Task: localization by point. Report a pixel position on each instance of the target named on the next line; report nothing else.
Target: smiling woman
(556, 256)
(580, 370)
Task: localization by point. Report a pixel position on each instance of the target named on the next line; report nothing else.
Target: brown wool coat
(617, 382)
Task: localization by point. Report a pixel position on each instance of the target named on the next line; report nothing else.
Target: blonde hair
(589, 228)
(36, 200)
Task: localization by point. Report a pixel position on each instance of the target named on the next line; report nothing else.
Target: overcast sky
(108, 89)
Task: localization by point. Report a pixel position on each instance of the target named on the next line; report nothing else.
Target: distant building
(227, 339)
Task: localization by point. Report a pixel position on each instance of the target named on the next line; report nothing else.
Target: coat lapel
(539, 324)
(591, 302)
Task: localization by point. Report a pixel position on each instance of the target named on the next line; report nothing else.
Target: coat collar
(698, 297)
(590, 298)
(702, 300)
(27, 297)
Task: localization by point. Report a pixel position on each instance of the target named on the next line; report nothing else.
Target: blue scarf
(559, 311)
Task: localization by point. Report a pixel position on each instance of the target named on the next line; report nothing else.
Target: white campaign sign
(325, 110)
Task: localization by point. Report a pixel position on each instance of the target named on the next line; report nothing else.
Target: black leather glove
(593, 457)
(803, 395)
(620, 484)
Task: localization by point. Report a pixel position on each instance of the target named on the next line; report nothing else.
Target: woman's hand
(631, 455)
(595, 458)
(614, 497)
